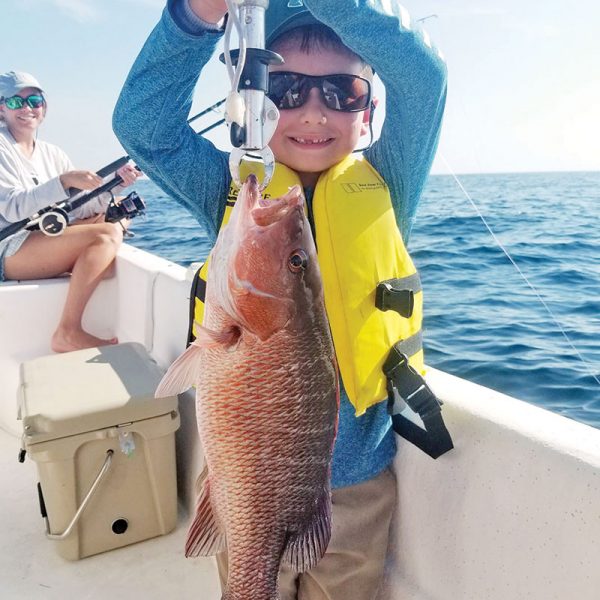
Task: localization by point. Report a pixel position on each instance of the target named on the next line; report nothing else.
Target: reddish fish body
(267, 397)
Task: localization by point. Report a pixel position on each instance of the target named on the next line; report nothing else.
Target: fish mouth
(253, 189)
(267, 212)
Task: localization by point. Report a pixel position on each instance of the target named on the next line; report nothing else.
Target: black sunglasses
(17, 102)
(343, 92)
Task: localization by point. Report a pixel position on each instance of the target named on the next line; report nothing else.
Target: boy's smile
(312, 138)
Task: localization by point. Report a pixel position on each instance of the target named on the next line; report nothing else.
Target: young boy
(322, 119)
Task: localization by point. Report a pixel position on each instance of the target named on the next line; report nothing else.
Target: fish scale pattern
(268, 419)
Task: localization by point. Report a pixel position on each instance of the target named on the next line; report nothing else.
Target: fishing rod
(206, 111)
(54, 218)
(251, 115)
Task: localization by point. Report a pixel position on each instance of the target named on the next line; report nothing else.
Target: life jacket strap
(404, 382)
(198, 290)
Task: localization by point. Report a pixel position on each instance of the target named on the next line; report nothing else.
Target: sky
(523, 92)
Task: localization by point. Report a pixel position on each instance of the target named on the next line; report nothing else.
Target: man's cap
(284, 15)
(13, 82)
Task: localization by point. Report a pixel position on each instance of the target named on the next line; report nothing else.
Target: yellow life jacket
(359, 246)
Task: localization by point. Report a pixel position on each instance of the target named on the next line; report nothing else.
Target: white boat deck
(31, 569)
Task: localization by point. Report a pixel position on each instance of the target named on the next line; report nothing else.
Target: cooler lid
(76, 392)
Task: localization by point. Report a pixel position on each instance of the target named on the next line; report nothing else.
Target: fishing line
(587, 365)
(234, 107)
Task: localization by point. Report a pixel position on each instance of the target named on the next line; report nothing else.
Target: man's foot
(67, 341)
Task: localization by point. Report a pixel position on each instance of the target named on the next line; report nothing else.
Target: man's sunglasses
(17, 102)
(346, 93)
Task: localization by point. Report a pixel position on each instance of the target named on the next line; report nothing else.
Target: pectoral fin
(182, 374)
(186, 370)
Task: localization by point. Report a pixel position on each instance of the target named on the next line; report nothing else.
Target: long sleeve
(150, 120)
(414, 75)
(20, 198)
(27, 187)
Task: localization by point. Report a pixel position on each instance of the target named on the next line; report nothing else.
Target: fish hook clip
(251, 116)
(235, 159)
(269, 124)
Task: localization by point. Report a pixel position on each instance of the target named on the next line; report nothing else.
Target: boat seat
(29, 313)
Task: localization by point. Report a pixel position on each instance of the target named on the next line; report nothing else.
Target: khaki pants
(352, 568)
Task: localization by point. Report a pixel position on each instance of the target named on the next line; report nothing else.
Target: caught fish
(266, 397)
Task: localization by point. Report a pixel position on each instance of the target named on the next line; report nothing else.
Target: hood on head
(282, 16)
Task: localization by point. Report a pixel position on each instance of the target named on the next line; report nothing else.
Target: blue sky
(524, 77)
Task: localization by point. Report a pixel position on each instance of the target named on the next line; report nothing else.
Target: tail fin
(307, 547)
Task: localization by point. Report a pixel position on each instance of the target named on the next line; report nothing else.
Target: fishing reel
(127, 208)
(54, 222)
(51, 221)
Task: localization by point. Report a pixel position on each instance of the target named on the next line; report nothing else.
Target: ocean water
(483, 322)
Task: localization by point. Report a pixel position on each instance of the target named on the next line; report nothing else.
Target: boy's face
(312, 138)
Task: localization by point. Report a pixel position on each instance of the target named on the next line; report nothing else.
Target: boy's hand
(211, 11)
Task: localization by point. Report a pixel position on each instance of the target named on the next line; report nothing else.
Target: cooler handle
(86, 500)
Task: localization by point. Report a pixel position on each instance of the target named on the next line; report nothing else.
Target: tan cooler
(104, 447)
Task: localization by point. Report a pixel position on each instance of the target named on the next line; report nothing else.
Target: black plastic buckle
(424, 402)
(411, 387)
(404, 381)
(395, 361)
(388, 297)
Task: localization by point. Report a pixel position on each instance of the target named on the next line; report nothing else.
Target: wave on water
(482, 321)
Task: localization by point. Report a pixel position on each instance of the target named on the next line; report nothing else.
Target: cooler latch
(126, 441)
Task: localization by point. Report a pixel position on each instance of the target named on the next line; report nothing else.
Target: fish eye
(298, 261)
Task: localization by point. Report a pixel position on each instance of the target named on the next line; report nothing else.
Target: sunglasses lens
(35, 101)
(17, 102)
(346, 92)
(285, 90)
(14, 103)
